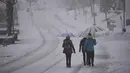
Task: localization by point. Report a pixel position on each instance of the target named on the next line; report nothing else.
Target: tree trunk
(108, 23)
(75, 16)
(10, 18)
(93, 12)
(124, 17)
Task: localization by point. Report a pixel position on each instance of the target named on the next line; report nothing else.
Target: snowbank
(29, 38)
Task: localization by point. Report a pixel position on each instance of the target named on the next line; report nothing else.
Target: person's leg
(84, 58)
(69, 60)
(88, 55)
(90, 58)
(66, 60)
(93, 58)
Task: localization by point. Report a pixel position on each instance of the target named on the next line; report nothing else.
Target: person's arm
(85, 44)
(94, 41)
(73, 47)
(80, 46)
(63, 44)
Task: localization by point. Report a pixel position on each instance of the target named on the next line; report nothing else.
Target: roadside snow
(29, 38)
(111, 53)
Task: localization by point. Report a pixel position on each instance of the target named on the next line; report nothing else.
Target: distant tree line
(105, 5)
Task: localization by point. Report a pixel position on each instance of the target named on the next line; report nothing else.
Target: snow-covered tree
(2, 12)
(106, 5)
(31, 1)
(71, 4)
(119, 4)
(84, 3)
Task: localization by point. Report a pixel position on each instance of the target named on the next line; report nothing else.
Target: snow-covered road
(43, 51)
(54, 62)
(111, 52)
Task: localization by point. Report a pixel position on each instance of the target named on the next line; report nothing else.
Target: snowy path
(51, 57)
(43, 51)
(77, 65)
(54, 62)
(109, 58)
(103, 59)
(29, 41)
(46, 28)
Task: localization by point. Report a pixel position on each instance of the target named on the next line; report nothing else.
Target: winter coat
(68, 46)
(89, 44)
(81, 46)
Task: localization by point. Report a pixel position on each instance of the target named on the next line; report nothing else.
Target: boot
(69, 66)
(92, 64)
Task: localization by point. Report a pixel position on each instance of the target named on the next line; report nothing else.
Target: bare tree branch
(3, 1)
(15, 1)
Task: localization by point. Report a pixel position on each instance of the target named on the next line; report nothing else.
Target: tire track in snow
(45, 64)
(78, 68)
(48, 23)
(51, 31)
(64, 23)
(55, 63)
(50, 67)
(29, 53)
(67, 26)
(14, 68)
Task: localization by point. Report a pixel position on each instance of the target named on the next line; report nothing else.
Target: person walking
(68, 50)
(81, 47)
(89, 48)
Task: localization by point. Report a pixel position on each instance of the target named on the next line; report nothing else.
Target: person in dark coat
(68, 50)
(89, 48)
(81, 47)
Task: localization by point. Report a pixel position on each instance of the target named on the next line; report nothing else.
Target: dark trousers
(84, 58)
(68, 60)
(90, 57)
